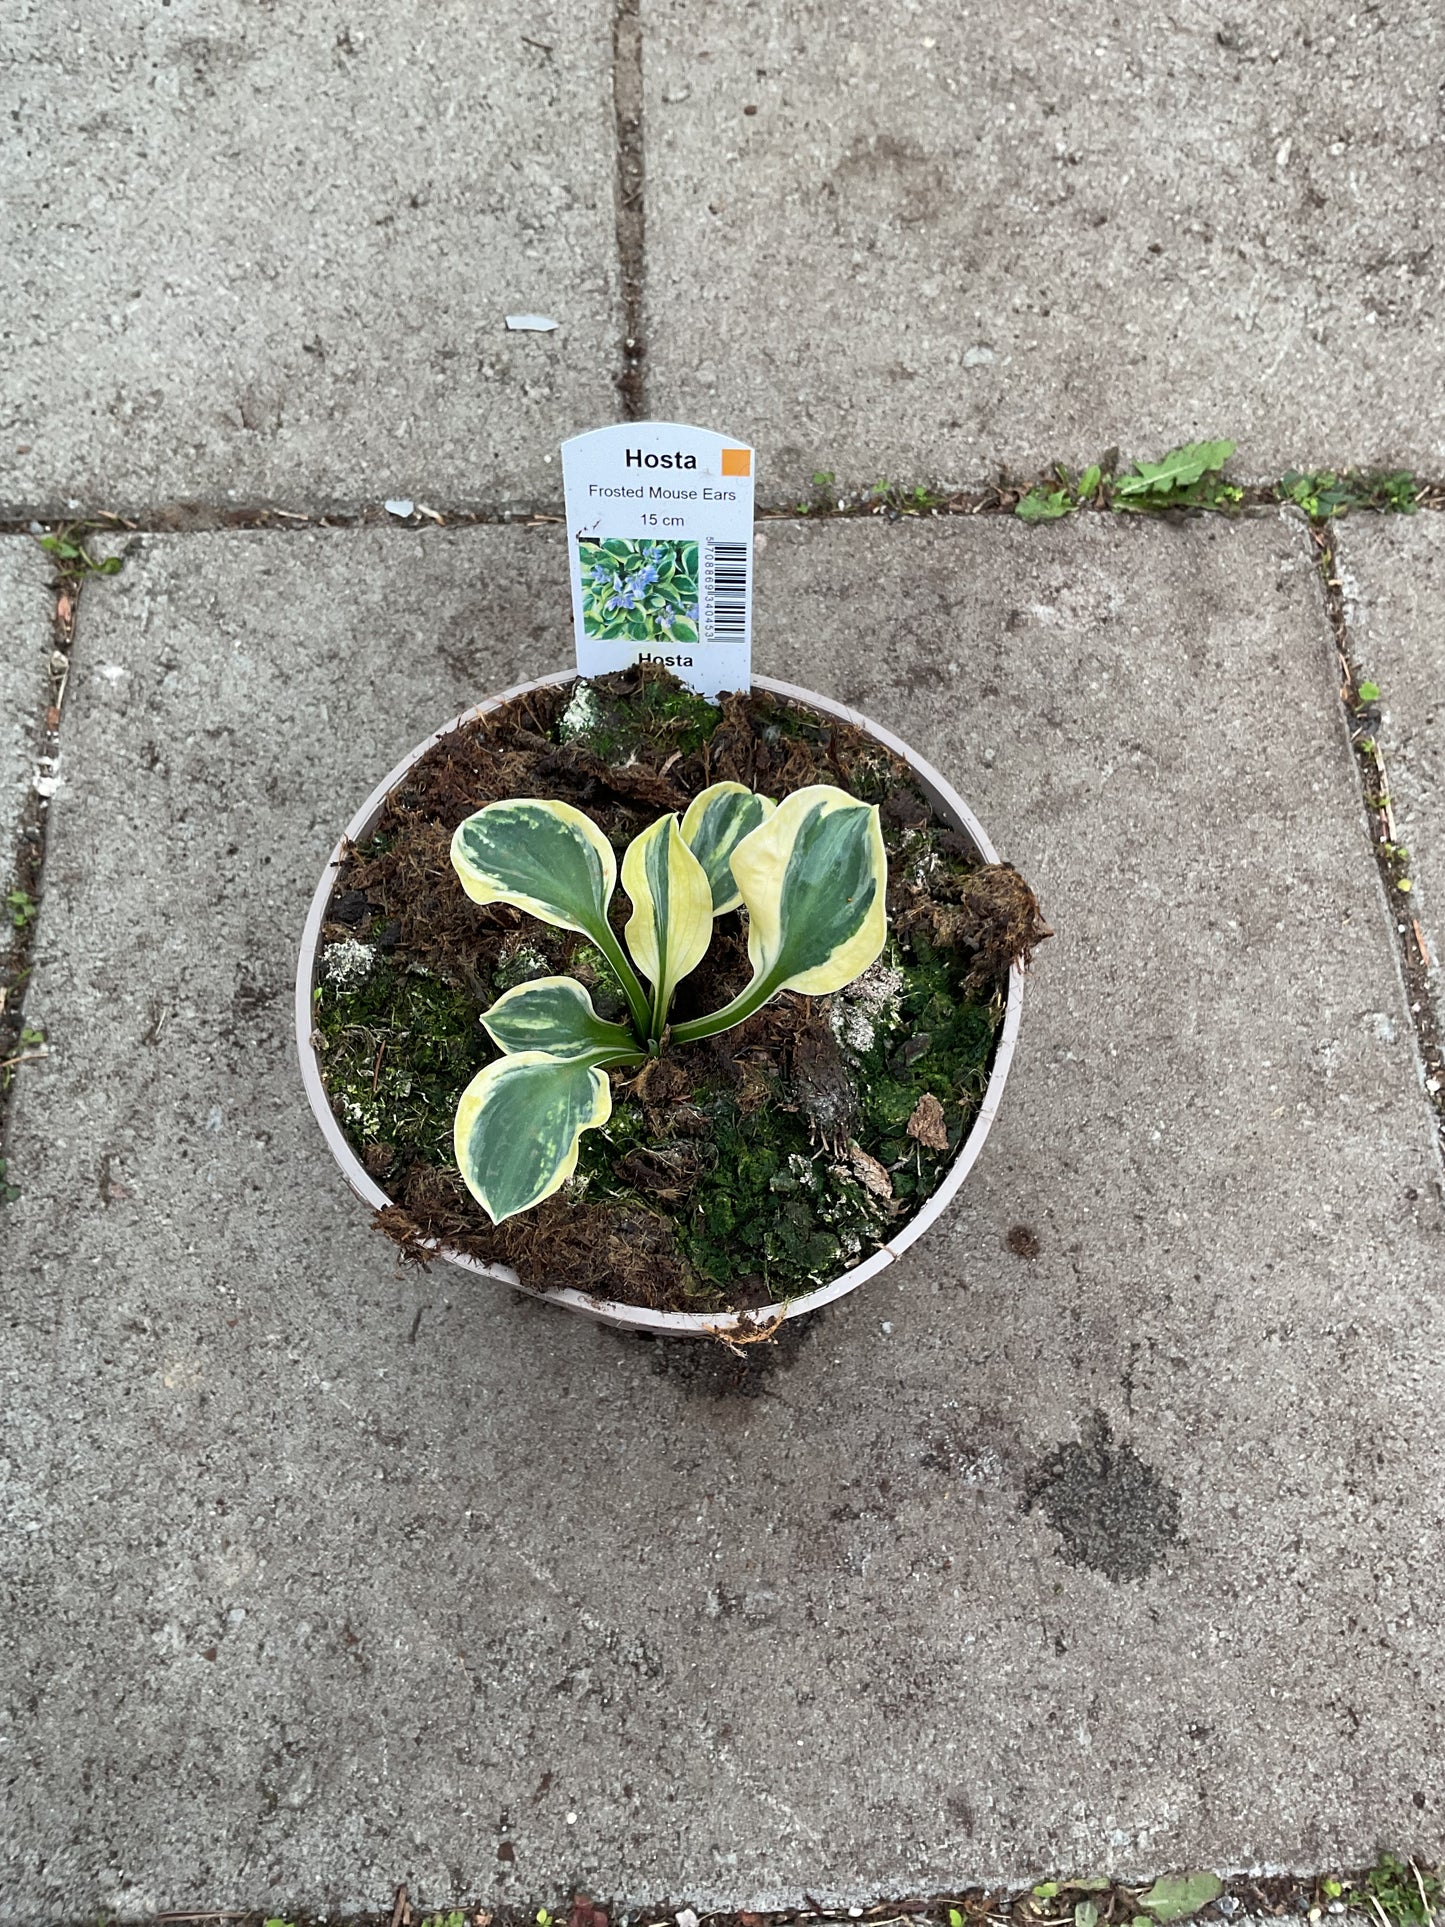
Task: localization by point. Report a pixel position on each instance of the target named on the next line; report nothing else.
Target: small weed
(1368, 692)
(1404, 1893)
(1187, 477)
(1064, 492)
(67, 547)
(1178, 1896)
(825, 486)
(22, 907)
(1045, 504)
(1323, 494)
(898, 500)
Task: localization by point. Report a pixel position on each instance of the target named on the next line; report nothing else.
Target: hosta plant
(810, 873)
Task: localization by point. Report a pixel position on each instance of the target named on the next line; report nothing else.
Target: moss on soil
(621, 725)
(399, 1050)
(731, 1173)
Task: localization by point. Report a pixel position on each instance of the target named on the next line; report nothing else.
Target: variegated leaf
(518, 1127)
(671, 923)
(550, 860)
(555, 1015)
(814, 879)
(717, 820)
(547, 858)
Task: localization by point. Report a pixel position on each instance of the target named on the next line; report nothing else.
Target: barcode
(728, 571)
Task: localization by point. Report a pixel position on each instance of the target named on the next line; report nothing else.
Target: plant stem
(738, 1011)
(637, 999)
(659, 1020)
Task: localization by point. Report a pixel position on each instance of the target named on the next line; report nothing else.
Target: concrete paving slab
(1121, 1554)
(1393, 572)
(930, 239)
(266, 256)
(26, 611)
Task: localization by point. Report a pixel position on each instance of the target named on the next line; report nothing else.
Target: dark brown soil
(643, 1231)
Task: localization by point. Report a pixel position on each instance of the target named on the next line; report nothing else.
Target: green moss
(398, 1051)
(942, 1043)
(519, 966)
(658, 713)
(770, 1200)
(592, 970)
(868, 777)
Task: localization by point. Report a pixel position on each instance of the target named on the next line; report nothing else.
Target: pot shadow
(710, 1369)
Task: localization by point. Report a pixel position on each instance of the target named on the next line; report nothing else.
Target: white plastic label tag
(660, 529)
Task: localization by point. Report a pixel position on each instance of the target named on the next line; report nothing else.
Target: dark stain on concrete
(708, 1369)
(1113, 1512)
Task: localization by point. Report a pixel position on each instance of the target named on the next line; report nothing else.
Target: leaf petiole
(638, 1001)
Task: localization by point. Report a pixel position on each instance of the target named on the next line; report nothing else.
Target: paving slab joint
(1331, 1896)
(627, 95)
(1357, 696)
(19, 1044)
(891, 502)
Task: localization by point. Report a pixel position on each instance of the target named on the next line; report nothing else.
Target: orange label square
(737, 461)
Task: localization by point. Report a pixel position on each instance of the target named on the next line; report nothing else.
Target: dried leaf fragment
(927, 1125)
(870, 1172)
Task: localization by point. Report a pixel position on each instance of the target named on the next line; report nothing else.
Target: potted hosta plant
(811, 875)
(723, 1101)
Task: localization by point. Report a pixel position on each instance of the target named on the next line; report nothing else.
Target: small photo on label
(639, 591)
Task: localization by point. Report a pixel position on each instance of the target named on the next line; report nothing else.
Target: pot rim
(605, 1310)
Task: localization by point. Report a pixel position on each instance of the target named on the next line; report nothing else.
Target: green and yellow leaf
(814, 882)
(518, 1127)
(555, 1015)
(550, 860)
(814, 879)
(547, 858)
(671, 923)
(717, 820)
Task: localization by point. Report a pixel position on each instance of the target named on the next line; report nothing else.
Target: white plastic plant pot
(672, 1324)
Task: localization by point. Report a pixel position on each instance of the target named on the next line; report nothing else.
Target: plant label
(660, 534)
